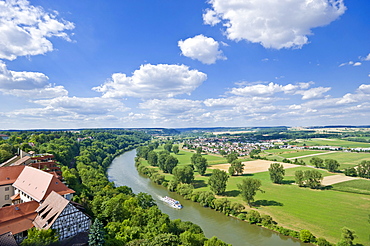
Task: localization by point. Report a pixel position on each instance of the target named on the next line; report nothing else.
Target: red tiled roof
(8, 175)
(18, 218)
(39, 184)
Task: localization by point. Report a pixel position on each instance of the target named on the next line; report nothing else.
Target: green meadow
(360, 186)
(345, 159)
(323, 212)
(334, 142)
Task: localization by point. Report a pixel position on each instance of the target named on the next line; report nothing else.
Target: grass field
(291, 153)
(346, 159)
(323, 212)
(334, 142)
(359, 186)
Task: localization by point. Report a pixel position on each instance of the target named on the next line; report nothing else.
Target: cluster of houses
(32, 194)
(219, 145)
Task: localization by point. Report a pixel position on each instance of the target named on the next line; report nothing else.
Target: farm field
(292, 153)
(334, 142)
(360, 186)
(346, 159)
(323, 212)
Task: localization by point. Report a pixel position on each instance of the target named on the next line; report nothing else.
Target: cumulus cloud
(312, 93)
(25, 29)
(273, 23)
(84, 106)
(153, 81)
(201, 48)
(268, 90)
(28, 84)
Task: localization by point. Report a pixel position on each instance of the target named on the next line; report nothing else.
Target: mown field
(360, 186)
(291, 153)
(323, 212)
(333, 142)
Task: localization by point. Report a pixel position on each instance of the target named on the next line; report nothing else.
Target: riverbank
(323, 212)
(123, 172)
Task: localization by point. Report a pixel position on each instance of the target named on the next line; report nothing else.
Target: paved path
(325, 153)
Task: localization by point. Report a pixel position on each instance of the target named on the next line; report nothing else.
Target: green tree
(306, 236)
(214, 241)
(199, 150)
(152, 158)
(299, 178)
(170, 164)
(277, 173)
(231, 157)
(183, 174)
(36, 237)
(175, 149)
(5, 155)
(201, 164)
(218, 181)
(96, 235)
(168, 146)
(331, 165)
(313, 178)
(317, 162)
(347, 237)
(237, 167)
(249, 188)
(363, 170)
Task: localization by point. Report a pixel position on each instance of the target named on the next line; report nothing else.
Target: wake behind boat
(172, 202)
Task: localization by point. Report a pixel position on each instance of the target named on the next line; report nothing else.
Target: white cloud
(28, 84)
(153, 81)
(83, 106)
(273, 23)
(313, 92)
(171, 107)
(367, 58)
(201, 48)
(25, 29)
(268, 90)
(357, 64)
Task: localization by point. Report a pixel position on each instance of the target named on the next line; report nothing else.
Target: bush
(322, 242)
(242, 216)
(306, 236)
(253, 217)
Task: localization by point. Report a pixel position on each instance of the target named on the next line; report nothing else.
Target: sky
(173, 63)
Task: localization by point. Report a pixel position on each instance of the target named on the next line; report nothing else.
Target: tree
(277, 173)
(96, 235)
(214, 241)
(152, 158)
(36, 237)
(317, 162)
(313, 178)
(231, 157)
(170, 163)
(299, 178)
(331, 165)
(306, 236)
(199, 150)
(363, 170)
(236, 167)
(183, 174)
(218, 181)
(249, 188)
(175, 149)
(350, 171)
(222, 152)
(201, 164)
(168, 146)
(347, 237)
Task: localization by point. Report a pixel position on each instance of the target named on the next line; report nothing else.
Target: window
(6, 188)
(6, 197)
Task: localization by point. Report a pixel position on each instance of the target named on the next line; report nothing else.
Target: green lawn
(346, 159)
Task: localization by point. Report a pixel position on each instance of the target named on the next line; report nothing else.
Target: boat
(172, 202)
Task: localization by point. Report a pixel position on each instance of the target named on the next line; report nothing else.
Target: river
(122, 171)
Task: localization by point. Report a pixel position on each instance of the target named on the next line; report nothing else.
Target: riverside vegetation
(120, 216)
(304, 214)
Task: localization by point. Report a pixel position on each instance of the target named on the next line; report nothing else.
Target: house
(4, 137)
(8, 175)
(34, 184)
(60, 214)
(17, 219)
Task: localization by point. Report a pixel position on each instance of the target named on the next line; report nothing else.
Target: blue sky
(170, 63)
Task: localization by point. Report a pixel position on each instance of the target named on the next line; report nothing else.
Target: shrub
(306, 236)
(253, 217)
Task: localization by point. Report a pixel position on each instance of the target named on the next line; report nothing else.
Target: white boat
(172, 202)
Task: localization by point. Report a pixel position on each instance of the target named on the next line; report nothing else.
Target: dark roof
(7, 239)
